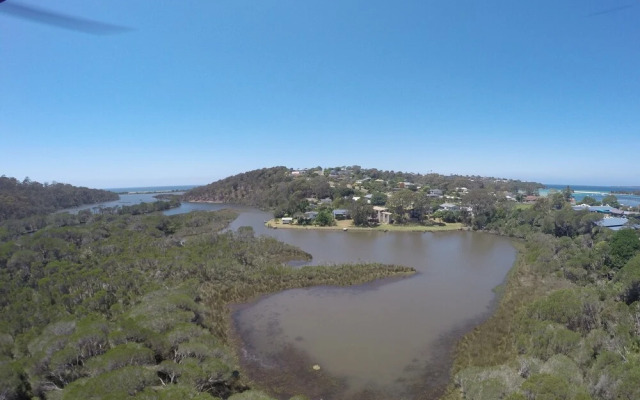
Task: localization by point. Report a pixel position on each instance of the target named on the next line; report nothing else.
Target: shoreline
(347, 225)
(206, 201)
(153, 192)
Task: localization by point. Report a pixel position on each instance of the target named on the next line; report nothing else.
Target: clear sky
(199, 90)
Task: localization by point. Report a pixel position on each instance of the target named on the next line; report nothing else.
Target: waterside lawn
(348, 225)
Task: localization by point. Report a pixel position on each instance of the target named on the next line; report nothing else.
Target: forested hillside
(117, 306)
(568, 324)
(250, 188)
(265, 188)
(27, 198)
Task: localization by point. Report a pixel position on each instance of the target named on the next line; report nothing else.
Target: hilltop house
(405, 185)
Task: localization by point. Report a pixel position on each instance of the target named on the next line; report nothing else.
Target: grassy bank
(348, 225)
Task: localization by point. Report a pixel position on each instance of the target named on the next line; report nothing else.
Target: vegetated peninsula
(28, 198)
(320, 196)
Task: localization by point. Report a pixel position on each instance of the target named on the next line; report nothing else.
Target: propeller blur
(40, 15)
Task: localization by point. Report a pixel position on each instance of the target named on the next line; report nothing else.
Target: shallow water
(383, 337)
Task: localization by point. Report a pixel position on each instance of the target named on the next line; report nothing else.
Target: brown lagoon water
(389, 339)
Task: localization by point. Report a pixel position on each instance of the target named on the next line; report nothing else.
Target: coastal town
(356, 200)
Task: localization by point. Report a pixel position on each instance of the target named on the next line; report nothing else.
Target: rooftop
(614, 223)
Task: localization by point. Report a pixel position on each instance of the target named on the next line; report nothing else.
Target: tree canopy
(567, 324)
(125, 305)
(624, 244)
(29, 198)
(610, 200)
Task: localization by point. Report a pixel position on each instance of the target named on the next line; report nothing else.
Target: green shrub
(120, 356)
(546, 387)
(118, 384)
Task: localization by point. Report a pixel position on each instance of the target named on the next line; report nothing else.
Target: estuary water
(383, 340)
(387, 339)
(124, 200)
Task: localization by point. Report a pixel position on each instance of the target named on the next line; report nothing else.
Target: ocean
(597, 192)
(153, 189)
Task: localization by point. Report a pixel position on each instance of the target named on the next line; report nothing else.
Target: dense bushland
(27, 198)
(116, 305)
(267, 187)
(568, 323)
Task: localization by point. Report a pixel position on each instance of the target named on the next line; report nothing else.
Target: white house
(449, 207)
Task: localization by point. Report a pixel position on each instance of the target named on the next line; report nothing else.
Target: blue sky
(198, 90)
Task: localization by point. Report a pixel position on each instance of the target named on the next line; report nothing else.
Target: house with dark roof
(341, 213)
(310, 215)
